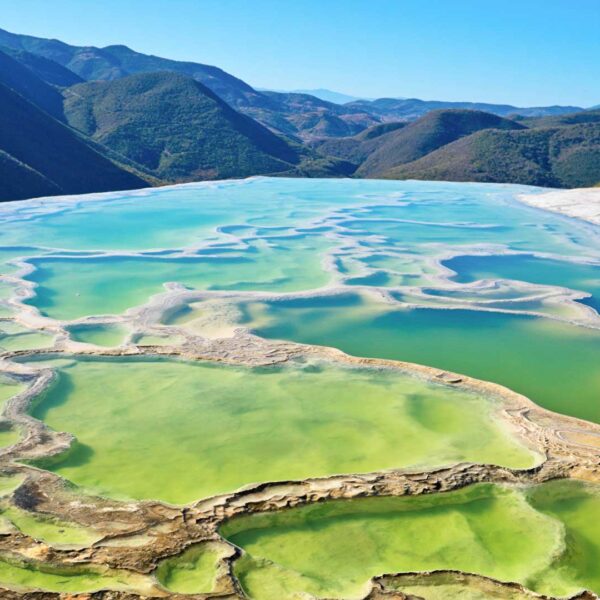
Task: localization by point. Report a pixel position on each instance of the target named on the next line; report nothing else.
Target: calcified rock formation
(582, 203)
(137, 535)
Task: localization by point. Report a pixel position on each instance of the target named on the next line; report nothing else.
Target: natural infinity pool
(180, 431)
(545, 537)
(375, 268)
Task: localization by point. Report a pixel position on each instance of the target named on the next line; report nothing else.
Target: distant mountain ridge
(294, 114)
(567, 156)
(407, 109)
(145, 120)
(329, 95)
(466, 145)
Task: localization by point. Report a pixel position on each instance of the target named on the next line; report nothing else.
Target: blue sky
(527, 52)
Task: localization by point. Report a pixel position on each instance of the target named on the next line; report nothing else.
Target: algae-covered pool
(179, 431)
(195, 571)
(545, 537)
(25, 575)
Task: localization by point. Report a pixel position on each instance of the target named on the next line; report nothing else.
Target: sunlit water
(461, 277)
(180, 431)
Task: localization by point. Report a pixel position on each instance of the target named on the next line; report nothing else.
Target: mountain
(41, 156)
(357, 148)
(306, 117)
(586, 116)
(181, 131)
(21, 79)
(146, 120)
(114, 62)
(297, 115)
(408, 109)
(434, 130)
(567, 156)
(46, 70)
(329, 95)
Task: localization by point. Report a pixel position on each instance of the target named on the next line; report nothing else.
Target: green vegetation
(176, 127)
(429, 133)
(567, 156)
(356, 149)
(41, 156)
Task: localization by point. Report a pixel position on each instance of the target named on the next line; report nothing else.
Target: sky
(525, 52)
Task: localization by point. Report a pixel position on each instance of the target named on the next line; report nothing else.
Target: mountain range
(79, 119)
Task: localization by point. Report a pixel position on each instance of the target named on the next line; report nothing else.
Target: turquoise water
(281, 236)
(70, 288)
(524, 267)
(174, 217)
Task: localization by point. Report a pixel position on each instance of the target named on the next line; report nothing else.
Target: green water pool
(535, 536)
(70, 288)
(108, 335)
(180, 431)
(194, 571)
(22, 575)
(48, 529)
(553, 363)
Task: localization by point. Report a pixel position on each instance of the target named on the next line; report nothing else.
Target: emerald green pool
(180, 431)
(553, 363)
(331, 549)
(52, 531)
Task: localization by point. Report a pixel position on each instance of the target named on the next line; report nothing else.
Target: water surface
(332, 549)
(179, 431)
